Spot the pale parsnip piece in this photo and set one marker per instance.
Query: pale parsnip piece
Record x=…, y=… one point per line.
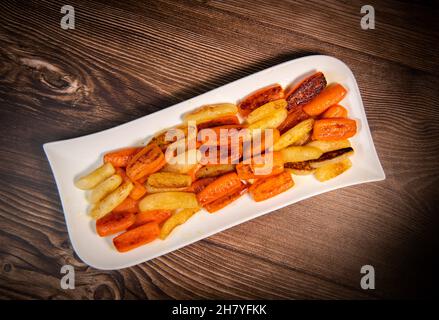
x=168, y=201
x=332, y=170
x=184, y=162
x=303, y=140
x=169, y=180
x=105, y=187
x=293, y=135
x=266, y=110
x=97, y=176
x=300, y=153
x=270, y=122
x=111, y=201
x=210, y=112
x=300, y=172
x=214, y=170
x=332, y=157
x=175, y=220
x=151, y=189
x=327, y=146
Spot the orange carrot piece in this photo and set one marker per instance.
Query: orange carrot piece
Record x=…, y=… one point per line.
x=200, y=184
x=259, y=98
x=334, y=129
x=120, y=158
x=144, y=217
x=228, y=131
x=294, y=117
x=332, y=94
x=218, y=188
x=226, y=200
x=305, y=91
x=269, y=187
x=149, y=160
x=134, y=238
x=247, y=171
x=335, y=111
x=221, y=121
x=138, y=191
x=128, y=205
x=114, y=222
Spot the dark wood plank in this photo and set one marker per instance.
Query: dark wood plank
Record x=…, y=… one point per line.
x=127, y=59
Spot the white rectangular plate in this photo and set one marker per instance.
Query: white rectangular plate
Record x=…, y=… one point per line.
x=71, y=158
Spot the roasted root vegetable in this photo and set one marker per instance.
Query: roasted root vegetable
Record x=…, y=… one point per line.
x=175, y=220
x=272, y=121
x=268, y=164
x=111, y=201
x=169, y=180
x=114, y=222
x=223, y=185
x=136, y=237
x=259, y=98
x=332, y=94
x=221, y=121
x=305, y=91
x=168, y=201
x=211, y=112
x=128, y=205
x=294, y=117
x=183, y=163
x=332, y=170
x=300, y=153
x=294, y=135
x=327, y=146
x=104, y=188
x=120, y=158
x=200, y=184
x=334, y=129
x=335, y=111
x=266, y=188
x=158, y=216
x=94, y=178
x=302, y=168
x=149, y=160
x=138, y=191
x=214, y=170
x=332, y=157
x=266, y=110
x=226, y=199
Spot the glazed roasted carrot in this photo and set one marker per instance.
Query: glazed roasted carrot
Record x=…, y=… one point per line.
x=218, y=188
x=294, y=117
x=114, y=222
x=247, y=171
x=266, y=188
x=200, y=184
x=138, y=191
x=120, y=158
x=220, y=133
x=158, y=216
x=226, y=200
x=259, y=98
x=332, y=94
x=222, y=121
x=260, y=146
x=136, y=237
x=128, y=205
x=305, y=91
x=334, y=129
x=335, y=111
x=149, y=160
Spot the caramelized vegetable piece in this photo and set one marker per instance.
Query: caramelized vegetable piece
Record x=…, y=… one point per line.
x=200, y=184
x=214, y=170
x=259, y=98
x=327, y=146
x=169, y=180
x=333, y=94
x=305, y=91
x=94, y=178
x=266, y=110
x=175, y=220
x=295, y=134
x=210, y=112
x=104, y=188
x=128, y=205
x=266, y=188
x=247, y=171
x=169, y=136
x=294, y=117
x=111, y=201
x=226, y=200
x=114, y=222
x=158, y=216
x=300, y=153
x=221, y=133
x=221, y=121
x=272, y=121
x=168, y=201
x=120, y=158
x=334, y=129
x=136, y=237
x=332, y=170
x=335, y=111
x=149, y=160
x=218, y=188
x=138, y=191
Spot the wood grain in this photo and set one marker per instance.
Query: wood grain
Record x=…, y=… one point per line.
x=127, y=59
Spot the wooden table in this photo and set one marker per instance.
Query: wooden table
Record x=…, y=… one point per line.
x=126, y=59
